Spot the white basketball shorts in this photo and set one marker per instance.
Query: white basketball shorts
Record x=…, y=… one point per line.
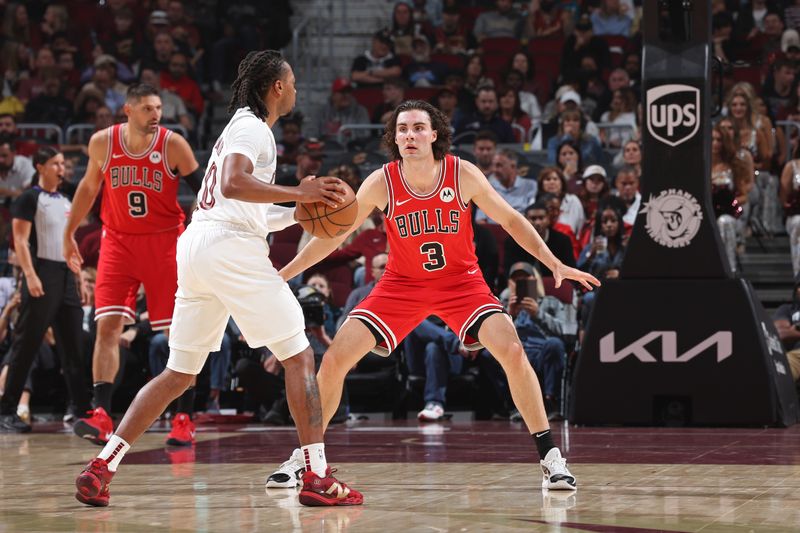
x=224, y=271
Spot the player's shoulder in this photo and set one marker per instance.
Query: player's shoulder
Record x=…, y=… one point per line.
x=99, y=143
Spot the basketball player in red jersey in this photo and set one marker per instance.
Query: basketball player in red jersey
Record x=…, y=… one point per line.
x=426, y=194
x=139, y=164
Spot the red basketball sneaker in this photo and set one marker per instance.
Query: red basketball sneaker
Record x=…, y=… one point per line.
x=98, y=427
x=182, y=433
x=322, y=491
x=93, y=482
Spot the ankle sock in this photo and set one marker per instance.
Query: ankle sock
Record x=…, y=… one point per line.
x=544, y=442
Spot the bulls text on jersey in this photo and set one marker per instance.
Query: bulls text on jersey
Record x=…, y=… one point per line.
x=128, y=176
x=424, y=222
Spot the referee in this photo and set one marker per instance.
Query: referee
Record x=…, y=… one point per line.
x=50, y=291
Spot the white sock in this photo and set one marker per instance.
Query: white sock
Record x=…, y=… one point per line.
x=314, y=456
x=114, y=451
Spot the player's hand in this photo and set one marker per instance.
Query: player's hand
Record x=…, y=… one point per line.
x=322, y=189
x=562, y=272
x=35, y=286
x=71, y=254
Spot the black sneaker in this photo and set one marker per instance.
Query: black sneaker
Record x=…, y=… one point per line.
x=13, y=424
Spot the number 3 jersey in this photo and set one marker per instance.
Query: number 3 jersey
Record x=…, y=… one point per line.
x=140, y=192
x=430, y=235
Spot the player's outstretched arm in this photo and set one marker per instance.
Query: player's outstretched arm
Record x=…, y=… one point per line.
x=183, y=162
x=475, y=187
x=371, y=195
x=84, y=197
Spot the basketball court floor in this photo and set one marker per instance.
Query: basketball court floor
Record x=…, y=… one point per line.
x=455, y=476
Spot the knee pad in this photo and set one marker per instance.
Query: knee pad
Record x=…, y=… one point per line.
x=185, y=361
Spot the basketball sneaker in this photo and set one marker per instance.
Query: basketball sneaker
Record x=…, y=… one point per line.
x=182, y=433
x=289, y=475
x=97, y=428
x=93, y=482
x=555, y=474
x=13, y=424
x=324, y=491
x=433, y=412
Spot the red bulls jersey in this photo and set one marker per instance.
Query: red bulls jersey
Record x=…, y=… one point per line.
x=430, y=236
x=140, y=191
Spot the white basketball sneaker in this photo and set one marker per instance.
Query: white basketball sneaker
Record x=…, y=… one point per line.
x=556, y=475
x=289, y=475
x=433, y=412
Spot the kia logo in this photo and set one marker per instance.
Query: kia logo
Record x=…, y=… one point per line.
x=673, y=113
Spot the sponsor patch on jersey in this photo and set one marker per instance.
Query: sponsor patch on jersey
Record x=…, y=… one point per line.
x=447, y=194
x=155, y=157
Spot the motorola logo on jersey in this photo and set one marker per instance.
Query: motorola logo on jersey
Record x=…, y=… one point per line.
x=425, y=222
x=447, y=194
x=673, y=113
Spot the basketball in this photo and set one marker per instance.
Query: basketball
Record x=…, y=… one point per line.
x=326, y=222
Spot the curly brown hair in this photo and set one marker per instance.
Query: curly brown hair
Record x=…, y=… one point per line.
x=439, y=123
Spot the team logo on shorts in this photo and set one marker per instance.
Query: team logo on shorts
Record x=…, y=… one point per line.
x=447, y=194
x=155, y=157
x=673, y=218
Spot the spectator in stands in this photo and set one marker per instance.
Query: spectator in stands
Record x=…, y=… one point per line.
x=486, y=117
x=162, y=50
x=787, y=322
x=435, y=352
x=610, y=20
x=603, y=256
x=570, y=161
x=505, y=21
x=511, y=112
x=631, y=154
x=404, y=29
x=779, y=86
x=378, y=267
x=484, y=148
x=105, y=80
x=173, y=110
x=583, y=43
x=749, y=123
x=176, y=79
x=721, y=36
x=553, y=204
x=558, y=243
x=627, y=185
x=394, y=90
x=519, y=192
x=791, y=12
x=475, y=78
x=446, y=101
x=291, y=137
x=309, y=162
x=750, y=19
x=50, y=106
x=622, y=113
x=771, y=35
x=453, y=36
x=376, y=64
x=17, y=25
x=34, y=85
x=790, y=200
x=86, y=105
x=367, y=244
x=545, y=18
x=571, y=128
x=123, y=39
x=184, y=30
x=528, y=102
x=421, y=71
x=729, y=189
x=539, y=326
x=16, y=171
x=594, y=191
x=65, y=62
x=552, y=180
x=566, y=99
x=341, y=109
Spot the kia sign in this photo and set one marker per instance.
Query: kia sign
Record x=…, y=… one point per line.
x=721, y=340
x=673, y=113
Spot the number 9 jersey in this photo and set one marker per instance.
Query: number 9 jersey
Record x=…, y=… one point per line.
x=430, y=236
x=140, y=192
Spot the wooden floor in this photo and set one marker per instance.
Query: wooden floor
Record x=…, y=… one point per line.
x=457, y=476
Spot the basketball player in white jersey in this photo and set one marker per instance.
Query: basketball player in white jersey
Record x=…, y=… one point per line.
x=224, y=270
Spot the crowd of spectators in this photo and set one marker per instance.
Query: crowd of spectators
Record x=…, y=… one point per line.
x=543, y=96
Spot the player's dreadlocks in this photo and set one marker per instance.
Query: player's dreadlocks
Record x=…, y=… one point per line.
x=257, y=72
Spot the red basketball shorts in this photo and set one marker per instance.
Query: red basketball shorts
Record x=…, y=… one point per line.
x=396, y=306
x=130, y=260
